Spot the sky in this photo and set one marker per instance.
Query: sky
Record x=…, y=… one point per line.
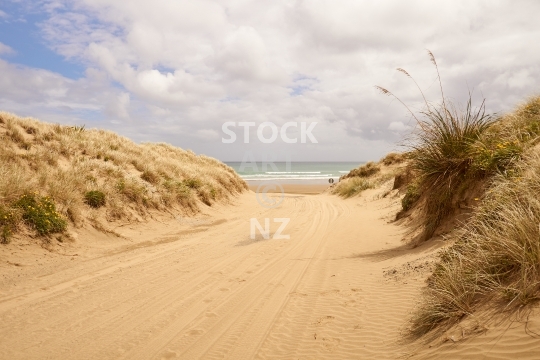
x=176, y=71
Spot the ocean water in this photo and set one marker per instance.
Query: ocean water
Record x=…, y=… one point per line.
x=293, y=172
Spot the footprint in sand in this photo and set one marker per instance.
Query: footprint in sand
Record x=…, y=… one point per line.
x=223, y=289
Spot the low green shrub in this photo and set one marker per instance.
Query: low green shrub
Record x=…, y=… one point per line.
x=40, y=213
x=94, y=198
x=498, y=156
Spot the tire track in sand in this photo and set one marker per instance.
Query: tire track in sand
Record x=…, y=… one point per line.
x=216, y=294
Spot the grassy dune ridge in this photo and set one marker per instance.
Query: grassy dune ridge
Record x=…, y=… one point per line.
x=477, y=176
x=70, y=175
x=489, y=166
x=369, y=175
x=496, y=258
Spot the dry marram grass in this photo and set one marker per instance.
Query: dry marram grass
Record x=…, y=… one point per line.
x=368, y=176
x=67, y=163
x=496, y=257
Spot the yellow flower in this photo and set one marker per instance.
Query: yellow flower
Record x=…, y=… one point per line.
x=476, y=199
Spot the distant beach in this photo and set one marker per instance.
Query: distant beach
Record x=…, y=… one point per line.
x=294, y=177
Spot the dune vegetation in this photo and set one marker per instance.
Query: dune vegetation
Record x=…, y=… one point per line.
x=463, y=158
x=55, y=176
x=369, y=175
x=497, y=253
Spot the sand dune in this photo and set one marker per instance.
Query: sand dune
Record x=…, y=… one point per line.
x=341, y=287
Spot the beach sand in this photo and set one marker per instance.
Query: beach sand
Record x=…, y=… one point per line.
x=341, y=287
x=310, y=189
x=299, y=186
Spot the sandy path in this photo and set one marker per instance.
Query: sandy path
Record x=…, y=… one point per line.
x=218, y=294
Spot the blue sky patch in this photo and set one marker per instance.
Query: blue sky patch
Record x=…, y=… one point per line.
x=21, y=32
x=301, y=84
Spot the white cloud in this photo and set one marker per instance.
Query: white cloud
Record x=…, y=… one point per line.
x=52, y=97
x=398, y=126
x=118, y=107
x=6, y=50
x=208, y=135
x=176, y=70
x=521, y=79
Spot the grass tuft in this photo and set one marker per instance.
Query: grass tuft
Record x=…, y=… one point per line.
x=443, y=154
x=352, y=186
x=449, y=154
x=193, y=183
x=150, y=176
